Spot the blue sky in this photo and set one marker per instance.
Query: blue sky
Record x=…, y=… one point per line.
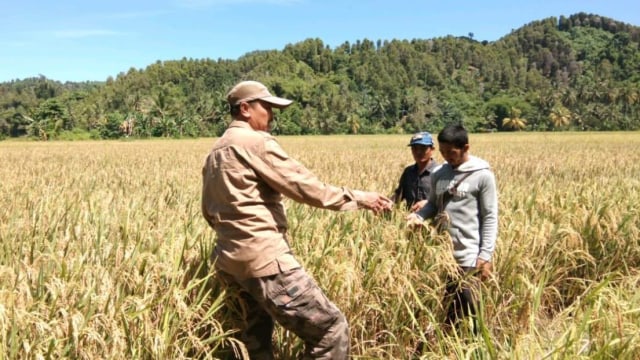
x=78, y=40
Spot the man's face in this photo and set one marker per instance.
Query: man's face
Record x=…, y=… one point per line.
x=261, y=115
x=421, y=153
x=453, y=155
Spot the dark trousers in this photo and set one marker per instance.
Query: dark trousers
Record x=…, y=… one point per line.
x=460, y=300
x=460, y=296
x=296, y=302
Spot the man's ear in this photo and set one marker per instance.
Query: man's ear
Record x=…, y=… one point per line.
x=466, y=147
x=244, y=109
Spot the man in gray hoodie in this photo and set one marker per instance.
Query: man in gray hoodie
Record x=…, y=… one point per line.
x=465, y=203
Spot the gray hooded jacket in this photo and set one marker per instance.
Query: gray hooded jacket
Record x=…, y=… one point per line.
x=472, y=209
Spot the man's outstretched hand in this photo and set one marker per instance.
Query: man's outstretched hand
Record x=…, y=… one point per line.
x=377, y=203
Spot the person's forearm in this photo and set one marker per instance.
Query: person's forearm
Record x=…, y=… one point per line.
x=489, y=219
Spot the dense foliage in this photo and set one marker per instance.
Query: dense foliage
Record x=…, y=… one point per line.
x=580, y=72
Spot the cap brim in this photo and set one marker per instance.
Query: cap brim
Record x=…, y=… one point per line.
x=420, y=144
x=277, y=102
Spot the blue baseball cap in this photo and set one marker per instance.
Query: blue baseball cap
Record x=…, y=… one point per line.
x=421, y=138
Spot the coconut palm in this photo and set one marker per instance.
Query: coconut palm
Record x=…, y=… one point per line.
x=560, y=116
x=36, y=127
x=514, y=121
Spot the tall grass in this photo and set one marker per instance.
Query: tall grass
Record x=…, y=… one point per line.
x=105, y=254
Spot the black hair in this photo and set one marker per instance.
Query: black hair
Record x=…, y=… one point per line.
x=234, y=110
x=455, y=135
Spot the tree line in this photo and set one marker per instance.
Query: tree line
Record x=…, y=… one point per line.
x=580, y=72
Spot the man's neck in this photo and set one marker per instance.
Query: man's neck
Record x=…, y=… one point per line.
x=422, y=166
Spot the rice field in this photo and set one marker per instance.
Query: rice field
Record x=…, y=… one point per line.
x=105, y=255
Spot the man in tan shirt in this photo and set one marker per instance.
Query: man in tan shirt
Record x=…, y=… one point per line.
x=244, y=178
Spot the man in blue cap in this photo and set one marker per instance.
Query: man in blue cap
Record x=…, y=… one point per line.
x=415, y=181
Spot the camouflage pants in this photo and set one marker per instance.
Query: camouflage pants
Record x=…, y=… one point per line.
x=296, y=302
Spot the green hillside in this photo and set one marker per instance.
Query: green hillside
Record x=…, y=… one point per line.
x=580, y=72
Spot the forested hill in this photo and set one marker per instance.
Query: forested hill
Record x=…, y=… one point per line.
x=580, y=72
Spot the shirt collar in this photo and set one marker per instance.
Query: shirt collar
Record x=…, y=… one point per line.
x=430, y=166
x=240, y=124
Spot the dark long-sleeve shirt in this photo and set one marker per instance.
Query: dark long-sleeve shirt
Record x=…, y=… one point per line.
x=414, y=186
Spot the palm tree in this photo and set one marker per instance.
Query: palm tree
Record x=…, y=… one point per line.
x=182, y=123
x=514, y=121
x=560, y=116
x=163, y=110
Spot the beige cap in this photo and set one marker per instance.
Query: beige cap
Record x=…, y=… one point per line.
x=253, y=90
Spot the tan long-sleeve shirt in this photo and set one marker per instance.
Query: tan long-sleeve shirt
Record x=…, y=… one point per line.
x=244, y=178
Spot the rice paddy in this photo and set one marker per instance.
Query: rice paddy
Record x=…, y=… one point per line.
x=105, y=254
